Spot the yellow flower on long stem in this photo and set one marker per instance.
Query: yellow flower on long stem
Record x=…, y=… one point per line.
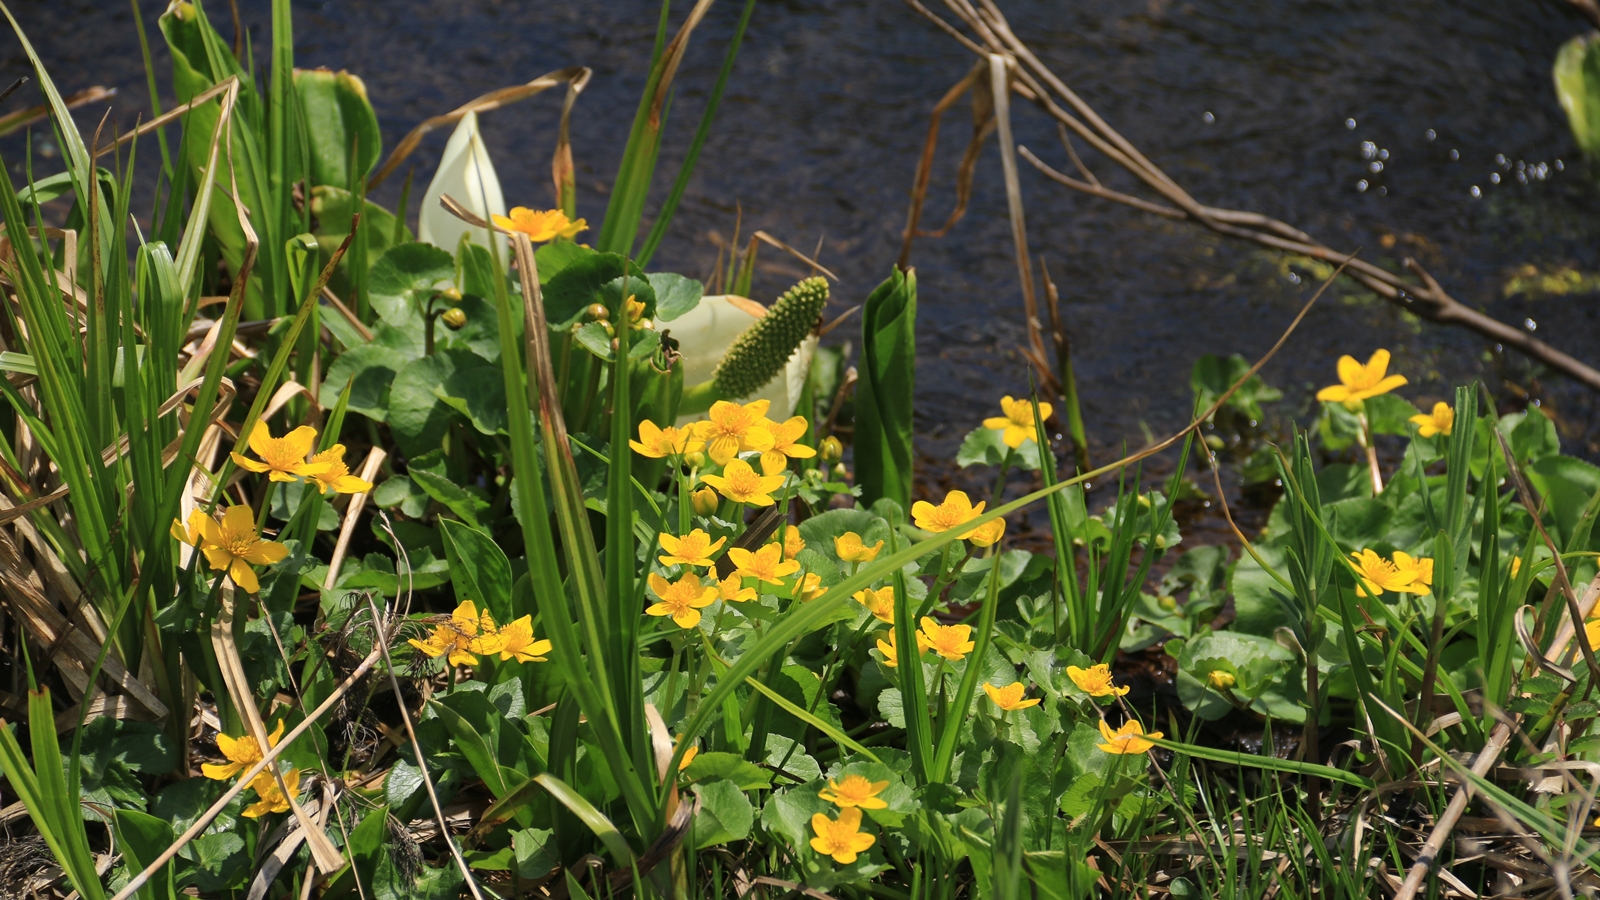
x=337, y=477
x=842, y=838
x=1440, y=421
x=540, y=225
x=785, y=436
x=853, y=791
x=232, y=546
x=731, y=590
x=1359, y=382
x=1019, y=422
x=732, y=429
x=766, y=564
x=281, y=458
x=988, y=534
x=1405, y=575
x=740, y=483
x=891, y=653
x=1095, y=681
x=241, y=752
x=467, y=633
x=955, y=511
x=1009, y=698
x=516, y=641
x=793, y=543
x=879, y=602
x=693, y=549
x=949, y=641
x=1130, y=738
x=682, y=599
x=657, y=442
x=811, y=587
x=851, y=548
x=273, y=799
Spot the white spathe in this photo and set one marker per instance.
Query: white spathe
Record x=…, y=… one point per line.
x=704, y=335
x=466, y=174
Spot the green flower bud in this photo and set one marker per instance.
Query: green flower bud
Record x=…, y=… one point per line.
x=831, y=450
x=454, y=317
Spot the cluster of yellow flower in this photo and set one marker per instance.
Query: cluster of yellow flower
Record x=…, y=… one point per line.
x=468, y=634
x=242, y=754
x=1096, y=682
x=731, y=429
x=950, y=642
x=842, y=838
x=1404, y=575
x=1358, y=382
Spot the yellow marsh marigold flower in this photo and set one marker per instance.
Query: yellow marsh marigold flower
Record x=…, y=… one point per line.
x=688, y=757
x=891, y=653
x=1130, y=738
x=693, y=549
x=704, y=500
x=657, y=443
x=1440, y=421
x=1591, y=630
x=682, y=599
x=956, y=510
x=1095, y=681
x=281, y=458
x=1019, y=422
x=949, y=641
x=635, y=309
x=987, y=534
x=1405, y=575
x=1358, y=382
x=733, y=429
x=740, y=483
x=467, y=633
x=337, y=477
x=766, y=564
x=273, y=799
x=811, y=587
x=841, y=839
x=1221, y=679
x=851, y=548
x=793, y=543
x=854, y=791
x=879, y=602
x=784, y=445
x=241, y=752
x=1516, y=565
x=1009, y=698
x=540, y=225
x=232, y=546
x=516, y=641
x=730, y=590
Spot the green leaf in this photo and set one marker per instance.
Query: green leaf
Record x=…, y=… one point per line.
x=884, y=395
x=725, y=814
x=479, y=393
x=369, y=370
x=593, y=278
x=1213, y=375
x=454, y=498
x=404, y=278
x=675, y=294
x=1577, y=77
x=416, y=415
x=473, y=745
x=1390, y=414
x=730, y=767
x=339, y=120
x=142, y=838
x=534, y=851
x=479, y=569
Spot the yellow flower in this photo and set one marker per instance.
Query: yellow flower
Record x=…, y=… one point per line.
x=891, y=654
x=841, y=839
x=1591, y=630
x=733, y=429
x=191, y=534
x=704, y=501
x=468, y=632
x=1130, y=738
x=540, y=225
x=241, y=752
x=1358, y=382
x=1440, y=421
x=1221, y=679
x=730, y=589
x=515, y=641
x=682, y=599
x=1404, y=575
x=955, y=510
x=987, y=534
x=693, y=549
x=1009, y=697
x=879, y=602
x=635, y=308
x=1095, y=681
x=793, y=543
x=281, y=458
x=766, y=564
x=656, y=442
x=949, y=641
x=337, y=477
x=273, y=799
x=776, y=458
x=1516, y=565
x=688, y=757
x=1019, y=422
x=851, y=548
x=811, y=587
x=233, y=546
x=854, y=791
x=740, y=483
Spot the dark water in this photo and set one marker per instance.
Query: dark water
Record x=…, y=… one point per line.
x=827, y=108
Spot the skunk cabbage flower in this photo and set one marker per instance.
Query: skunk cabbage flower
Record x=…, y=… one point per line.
x=704, y=335
x=466, y=174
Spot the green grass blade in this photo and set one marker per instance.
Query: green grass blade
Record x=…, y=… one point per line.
x=819, y=724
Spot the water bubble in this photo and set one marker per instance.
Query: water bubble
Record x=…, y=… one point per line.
x=1361, y=185
x=1521, y=165
x=1500, y=159
x=1208, y=118
x=1350, y=124
x=1530, y=324
x=1541, y=171
x=1494, y=177
x=1522, y=177
x=1375, y=167
x=1455, y=154
x=1369, y=150
x=1475, y=192
x=1383, y=191
x=1560, y=166
x=1383, y=154
x=1293, y=278
x=1430, y=134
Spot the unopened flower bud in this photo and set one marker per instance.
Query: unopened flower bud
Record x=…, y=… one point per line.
x=840, y=472
x=694, y=459
x=1221, y=680
x=455, y=317
x=598, y=312
x=831, y=450
x=451, y=294
x=705, y=501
